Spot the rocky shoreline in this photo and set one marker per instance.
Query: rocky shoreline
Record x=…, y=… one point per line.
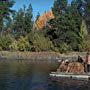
x=53, y=56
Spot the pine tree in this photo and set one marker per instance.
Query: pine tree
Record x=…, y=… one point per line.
x=37, y=17
x=63, y=4
x=5, y=11
x=87, y=16
x=28, y=19
x=66, y=28
x=56, y=8
x=59, y=7
x=23, y=21
x=19, y=23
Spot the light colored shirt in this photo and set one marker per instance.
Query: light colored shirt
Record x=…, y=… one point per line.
x=88, y=60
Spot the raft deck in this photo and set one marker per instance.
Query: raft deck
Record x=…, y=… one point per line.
x=70, y=75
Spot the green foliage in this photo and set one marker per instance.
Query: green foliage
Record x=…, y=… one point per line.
x=59, y=7
x=84, y=31
x=63, y=4
x=19, y=23
x=67, y=30
x=1, y=48
x=87, y=14
x=86, y=44
x=23, y=21
x=5, y=41
x=23, y=44
x=28, y=19
x=5, y=11
x=14, y=46
x=39, y=42
x=56, y=8
x=37, y=17
x=64, y=48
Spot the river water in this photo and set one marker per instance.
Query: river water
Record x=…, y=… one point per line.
x=26, y=75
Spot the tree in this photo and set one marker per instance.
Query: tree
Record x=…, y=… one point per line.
x=19, y=23
x=59, y=7
x=83, y=7
x=87, y=14
x=56, y=8
x=5, y=11
x=37, y=17
x=28, y=19
x=23, y=21
x=67, y=29
x=63, y=5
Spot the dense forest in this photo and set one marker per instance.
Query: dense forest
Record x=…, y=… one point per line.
x=65, y=28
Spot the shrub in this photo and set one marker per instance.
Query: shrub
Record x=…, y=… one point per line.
x=86, y=45
x=39, y=42
x=1, y=49
x=23, y=44
x=63, y=48
x=14, y=46
x=5, y=41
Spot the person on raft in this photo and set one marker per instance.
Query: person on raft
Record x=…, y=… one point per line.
x=85, y=61
x=88, y=62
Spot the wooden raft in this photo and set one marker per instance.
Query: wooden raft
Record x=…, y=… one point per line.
x=70, y=75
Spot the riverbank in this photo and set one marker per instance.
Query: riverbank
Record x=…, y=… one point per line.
x=39, y=55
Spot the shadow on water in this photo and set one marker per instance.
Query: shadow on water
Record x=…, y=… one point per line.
x=16, y=75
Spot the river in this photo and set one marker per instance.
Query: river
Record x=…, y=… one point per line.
x=26, y=75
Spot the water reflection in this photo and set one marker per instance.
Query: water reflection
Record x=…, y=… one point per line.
x=16, y=75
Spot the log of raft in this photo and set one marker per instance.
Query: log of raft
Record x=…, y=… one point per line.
x=70, y=75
